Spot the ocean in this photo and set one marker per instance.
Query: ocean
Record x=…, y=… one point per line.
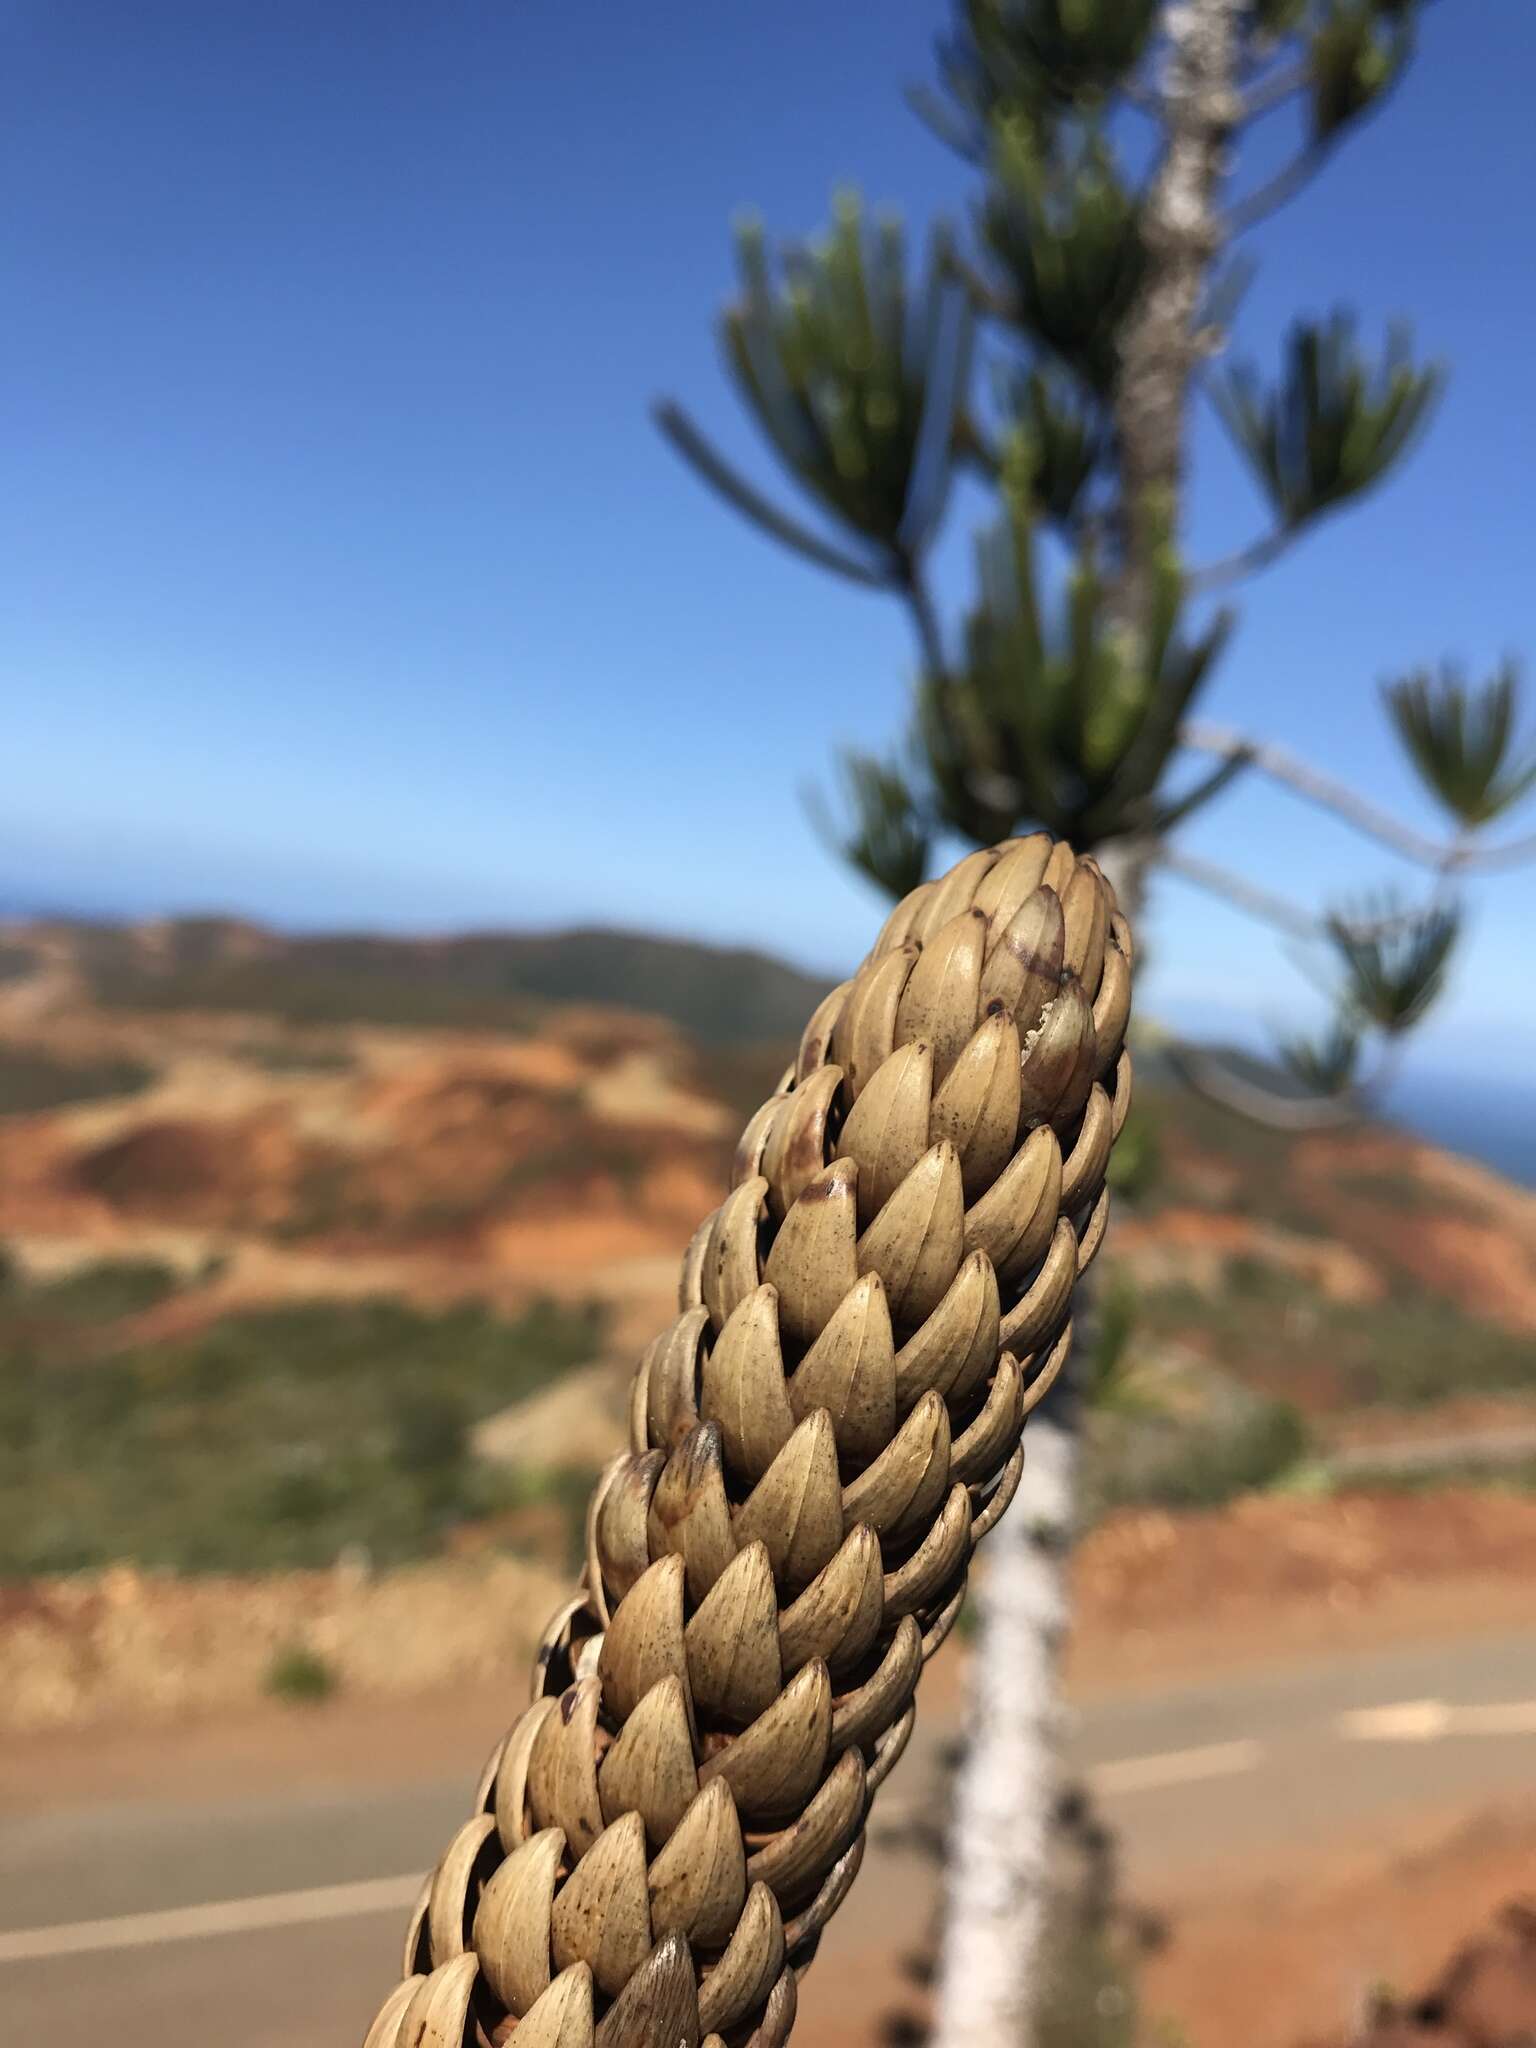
x=1494, y=1122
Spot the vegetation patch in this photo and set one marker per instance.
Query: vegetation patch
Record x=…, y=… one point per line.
x=52, y=1311
x=32, y=1080
x=1406, y=1351
x=1200, y=1464
x=272, y=1440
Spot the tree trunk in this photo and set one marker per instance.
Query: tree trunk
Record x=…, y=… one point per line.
x=999, y=1858
x=1161, y=342
x=998, y=1867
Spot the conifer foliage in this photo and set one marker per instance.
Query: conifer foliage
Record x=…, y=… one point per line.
x=1055, y=345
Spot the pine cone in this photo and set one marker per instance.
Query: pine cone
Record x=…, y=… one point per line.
x=818, y=1442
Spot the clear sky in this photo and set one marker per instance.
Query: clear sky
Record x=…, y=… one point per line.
x=346, y=579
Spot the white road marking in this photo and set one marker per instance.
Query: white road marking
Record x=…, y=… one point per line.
x=1401, y=1721
x=226, y=1916
x=1510, y=1717
x=1176, y=1767
x=1433, y=1720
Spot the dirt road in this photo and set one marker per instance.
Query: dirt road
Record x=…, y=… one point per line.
x=266, y=1912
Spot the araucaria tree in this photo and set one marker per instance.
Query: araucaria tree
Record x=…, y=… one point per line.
x=1056, y=348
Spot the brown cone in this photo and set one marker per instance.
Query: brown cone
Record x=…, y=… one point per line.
x=817, y=1444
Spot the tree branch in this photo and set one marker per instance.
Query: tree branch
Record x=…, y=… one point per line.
x=936, y=114
x=1217, y=1083
x=1305, y=165
x=747, y=499
x=1211, y=1078
x=1248, y=561
x=1267, y=198
x=925, y=618
x=972, y=445
x=1282, y=766
x=1274, y=91
x=1177, y=809
x=1279, y=911
x=1144, y=97
x=994, y=301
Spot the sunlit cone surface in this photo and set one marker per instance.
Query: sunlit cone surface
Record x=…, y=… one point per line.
x=817, y=1444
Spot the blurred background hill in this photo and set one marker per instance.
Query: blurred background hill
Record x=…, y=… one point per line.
x=479, y=979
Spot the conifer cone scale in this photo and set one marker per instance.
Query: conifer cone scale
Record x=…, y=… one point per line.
x=817, y=1443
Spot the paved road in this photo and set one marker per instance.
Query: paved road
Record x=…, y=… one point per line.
x=276, y=1920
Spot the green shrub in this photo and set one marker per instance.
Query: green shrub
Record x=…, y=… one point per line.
x=567, y=1488
x=1258, y=1279
x=300, y=1675
x=1135, y=1165
x=1111, y=1358
x=103, y=1292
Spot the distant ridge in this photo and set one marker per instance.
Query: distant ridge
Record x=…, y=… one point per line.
x=720, y=995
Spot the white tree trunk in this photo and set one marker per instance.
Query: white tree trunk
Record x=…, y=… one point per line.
x=999, y=1861
x=998, y=1866
x=1182, y=233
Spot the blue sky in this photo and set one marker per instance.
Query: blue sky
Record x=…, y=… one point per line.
x=348, y=581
